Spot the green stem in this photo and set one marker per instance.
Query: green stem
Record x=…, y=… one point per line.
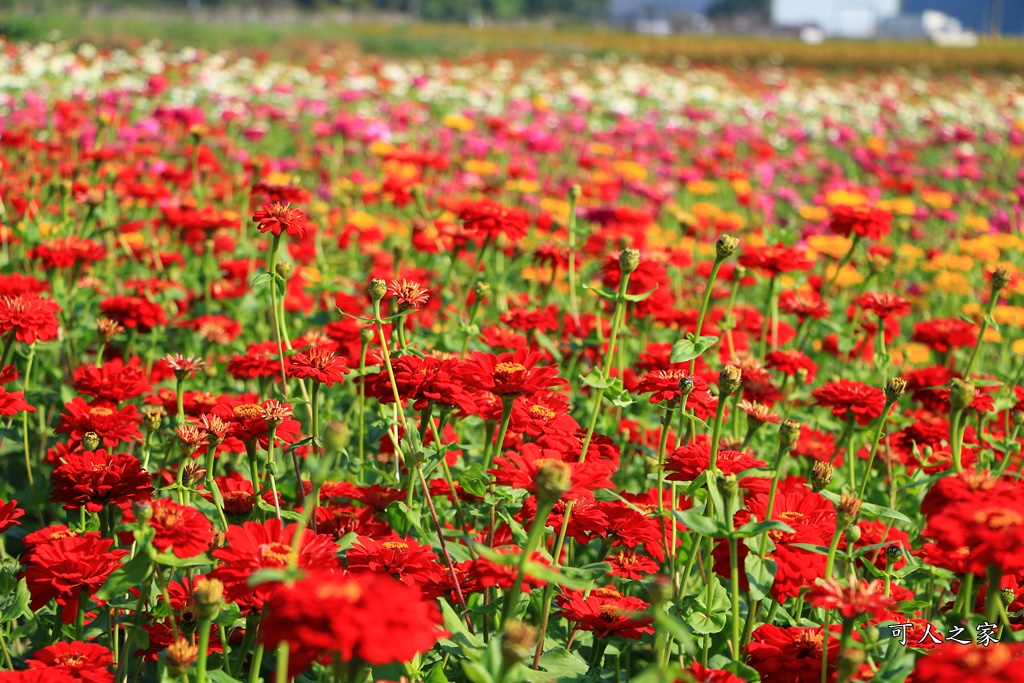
x=205, y=623
x=874, y=448
x=536, y=531
x=981, y=334
x=704, y=306
x=282, y=663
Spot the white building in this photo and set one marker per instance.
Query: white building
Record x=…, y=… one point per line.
x=837, y=18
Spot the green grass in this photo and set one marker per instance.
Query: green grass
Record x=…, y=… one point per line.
x=308, y=36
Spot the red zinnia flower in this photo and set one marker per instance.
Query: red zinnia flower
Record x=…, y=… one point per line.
x=791, y=655
x=275, y=217
x=29, y=317
x=791, y=362
x=112, y=424
x=254, y=546
x=115, y=381
x=512, y=374
x=606, y=613
x=773, y=260
x=860, y=597
x=492, y=219
x=851, y=399
x=94, y=479
x=9, y=514
x=405, y=560
x=134, y=312
x=698, y=673
x=62, y=569
x=955, y=663
x=182, y=528
x=318, y=363
x=885, y=304
x=861, y=220
x=88, y=662
x=371, y=618
x=943, y=334
x=12, y=402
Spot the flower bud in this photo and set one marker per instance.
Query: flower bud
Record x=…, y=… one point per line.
x=1008, y=595
x=629, y=260
x=335, y=436
x=517, y=642
x=367, y=334
x=685, y=387
x=893, y=554
x=482, y=290
x=853, y=533
x=575, y=192
x=192, y=473
x=285, y=269
x=181, y=655
x=553, y=479
x=1000, y=279
x=108, y=329
x=377, y=289
x=849, y=508
x=895, y=388
x=789, y=434
x=725, y=246
x=152, y=417
x=730, y=483
x=729, y=380
x=961, y=394
x=142, y=510
x=209, y=597
x=821, y=475
x=90, y=441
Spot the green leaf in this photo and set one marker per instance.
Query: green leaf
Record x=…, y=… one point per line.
x=687, y=349
x=221, y=676
x=436, y=675
x=696, y=521
x=639, y=297
x=597, y=380
x=172, y=560
x=703, y=620
x=262, y=576
x=760, y=575
x=758, y=528
x=560, y=664
x=131, y=574
x=603, y=293
x=872, y=509
x=13, y=605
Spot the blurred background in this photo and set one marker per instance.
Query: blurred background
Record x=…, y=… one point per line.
x=942, y=34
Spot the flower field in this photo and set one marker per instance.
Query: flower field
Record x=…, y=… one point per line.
x=507, y=370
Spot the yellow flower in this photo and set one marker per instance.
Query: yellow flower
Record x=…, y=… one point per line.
x=816, y=214
x=481, y=167
x=700, y=187
x=937, y=199
x=361, y=219
x=835, y=246
x=558, y=208
x=914, y=353
x=400, y=169
x=540, y=103
x=902, y=206
x=629, y=170
x=380, y=148
x=601, y=149
x=975, y=222
x=981, y=248
x=910, y=252
x=875, y=144
x=1018, y=347
x=46, y=229
x=706, y=210
x=947, y=261
x=458, y=122
x=1012, y=316
x=952, y=283
x=523, y=185
x=1005, y=241
x=741, y=186
x=992, y=335
x=845, y=198
x=281, y=178
x=848, y=276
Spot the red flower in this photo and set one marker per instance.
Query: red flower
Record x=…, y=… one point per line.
x=88, y=662
x=861, y=220
x=29, y=317
x=183, y=529
x=12, y=402
x=791, y=362
x=371, y=618
x=512, y=374
x=885, y=304
x=249, y=421
x=405, y=560
x=519, y=470
x=115, y=381
x=943, y=334
x=631, y=565
x=989, y=525
x=318, y=363
x=425, y=380
x=134, y=312
x=791, y=655
x=113, y=425
x=687, y=463
x=858, y=598
x=94, y=479
x=851, y=399
x=606, y=613
x=62, y=569
x=492, y=219
x=9, y=514
x=254, y=546
x=275, y=217
x=773, y=260
x=955, y=663
x=698, y=673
